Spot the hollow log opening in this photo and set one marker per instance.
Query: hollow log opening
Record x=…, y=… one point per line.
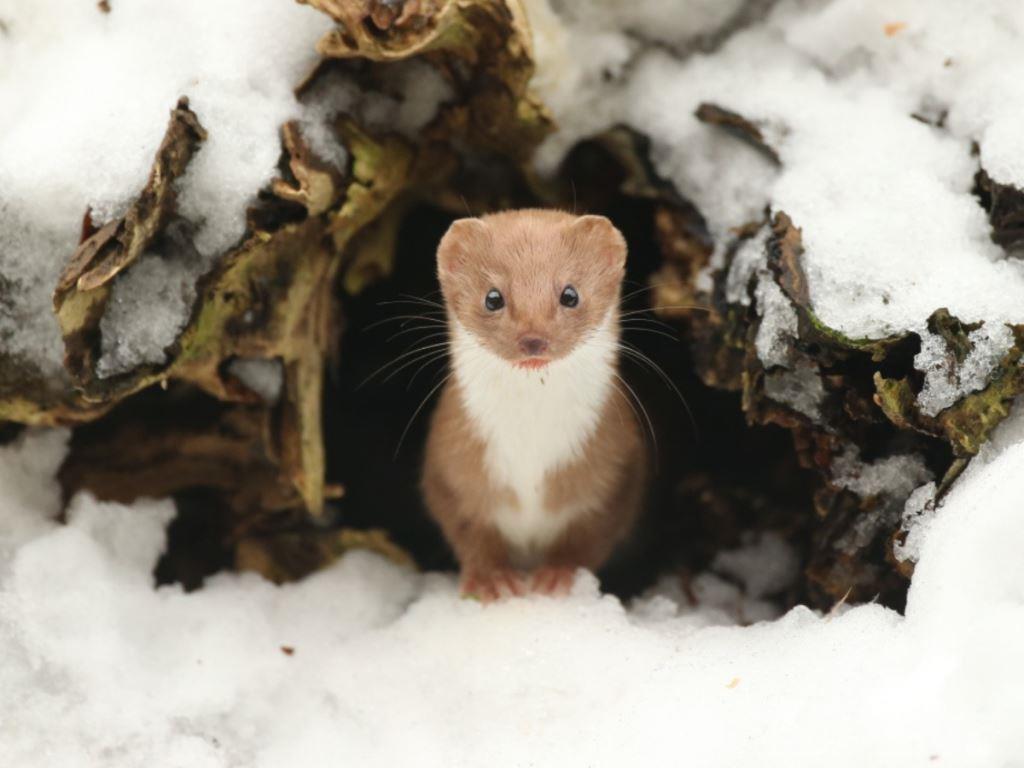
x=809, y=458
x=719, y=481
x=282, y=397
x=738, y=465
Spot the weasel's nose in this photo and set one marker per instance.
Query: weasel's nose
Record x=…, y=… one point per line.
x=533, y=345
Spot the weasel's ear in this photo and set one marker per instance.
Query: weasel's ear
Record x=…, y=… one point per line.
x=463, y=238
x=599, y=237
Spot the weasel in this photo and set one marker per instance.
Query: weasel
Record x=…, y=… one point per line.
x=535, y=464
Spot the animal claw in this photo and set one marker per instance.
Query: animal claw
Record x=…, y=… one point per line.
x=553, y=580
x=493, y=585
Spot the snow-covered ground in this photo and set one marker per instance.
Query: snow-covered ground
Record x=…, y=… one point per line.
x=880, y=113
x=84, y=102
x=370, y=664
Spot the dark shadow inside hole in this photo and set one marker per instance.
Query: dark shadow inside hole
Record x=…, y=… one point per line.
x=369, y=405
x=713, y=479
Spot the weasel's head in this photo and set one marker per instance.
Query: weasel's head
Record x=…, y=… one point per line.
x=531, y=285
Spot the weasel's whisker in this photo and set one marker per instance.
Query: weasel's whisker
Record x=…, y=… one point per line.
x=406, y=298
x=629, y=402
x=432, y=330
x=632, y=352
x=427, y=318
x=427, y=356
x=649, y=321
x=414, y=301
x=644, y=289
x=647, y=417
x=417, y=351
x=417, y=412
x=439, y=373
x=424, y=366
x=667, y=306
x=428, y=327
x=647, y=289
x=426, y=299
x=655, y=331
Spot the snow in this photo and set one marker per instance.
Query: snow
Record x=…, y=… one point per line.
x=778, y=327
x=766, y=564
x=890, y=482
x=945, y=381
x=264, y=377
x=409, y=96
x=87, y=96
x=748, y=257
x=147, y=309
x=897, y=475
x=918, y=514
x=891, y=229
x=800, y=388
x=369, y=663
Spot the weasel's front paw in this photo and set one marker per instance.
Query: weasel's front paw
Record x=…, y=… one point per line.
x=488, y=586
x=553, y=580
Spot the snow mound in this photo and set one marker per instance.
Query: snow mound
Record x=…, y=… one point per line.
x=86, y=100
x=873, y=110
x=264, y=377
x=371, y=664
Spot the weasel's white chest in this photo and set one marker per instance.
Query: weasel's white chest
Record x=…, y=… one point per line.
x=533, y=422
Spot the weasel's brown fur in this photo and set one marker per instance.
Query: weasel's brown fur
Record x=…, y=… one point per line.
x=485, y=477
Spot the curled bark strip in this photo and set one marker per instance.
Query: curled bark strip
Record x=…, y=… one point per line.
x=785, y=248
x=83, y=289
x=485, y=47
x=739, y=126
x=119, y=243
x=317, y=186
x=1005, y=206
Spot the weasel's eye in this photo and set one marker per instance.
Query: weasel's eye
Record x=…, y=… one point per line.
x=570, y=298
x=494, y=300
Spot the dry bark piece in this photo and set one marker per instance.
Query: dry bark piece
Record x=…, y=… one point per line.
x=409, y=25
x=163, y=443
x=850, y=535
x=953, y=332
x=749, y=131
x=785, y=252
x=273, y=295
x=1005, y=206
x=484, y=45
x=318, y=184
x=121, y=242
x=272, y=298
x=83, y=289
x=291, y=556
x=31, y=396
x=968, y=423
x=366, y=223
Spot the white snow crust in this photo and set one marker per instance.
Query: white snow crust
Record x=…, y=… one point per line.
x=371, y=664
x=389, y=667
x=264, y=377
x=891, y=228
x=86, y=97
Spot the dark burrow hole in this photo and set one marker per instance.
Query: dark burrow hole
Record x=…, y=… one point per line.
x=717, y=477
